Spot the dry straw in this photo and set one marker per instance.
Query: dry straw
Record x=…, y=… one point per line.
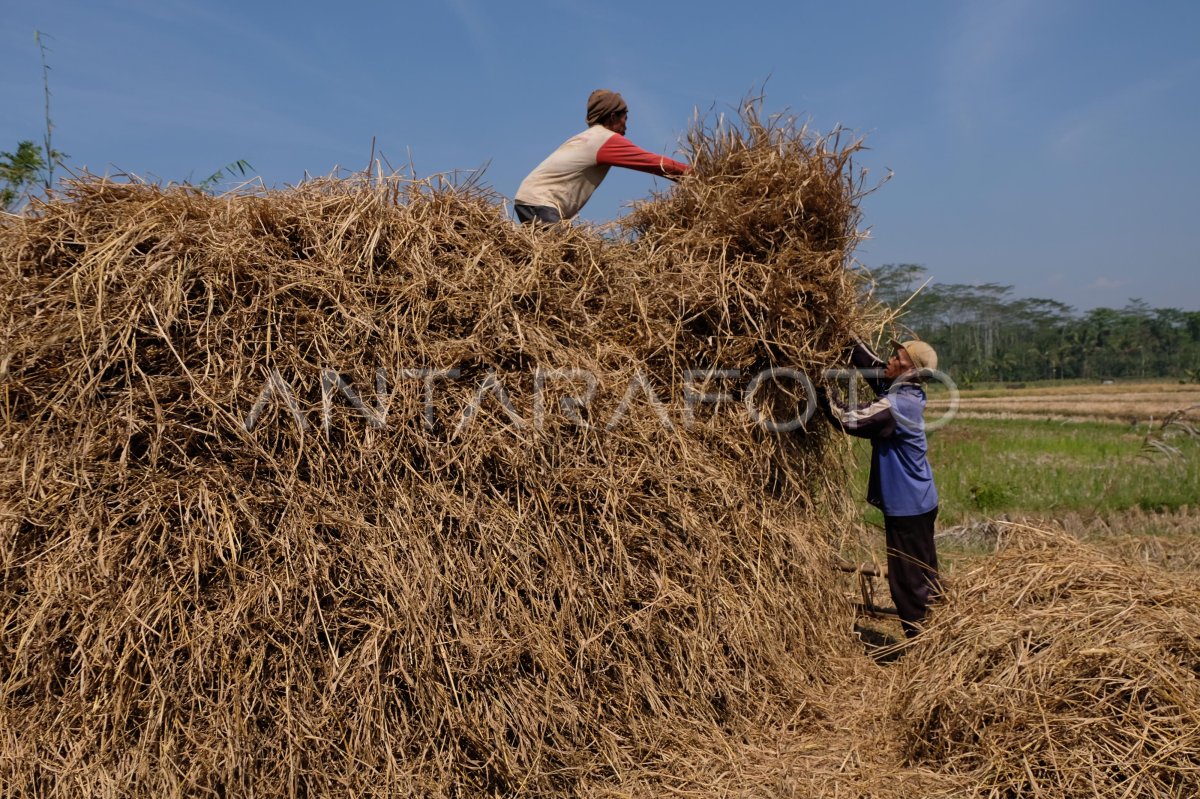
x=402, y=597
x=1056, y=671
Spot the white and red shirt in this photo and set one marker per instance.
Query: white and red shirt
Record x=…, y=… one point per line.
x=567, y=178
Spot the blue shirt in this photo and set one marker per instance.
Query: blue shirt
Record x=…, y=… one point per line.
x=901, y=481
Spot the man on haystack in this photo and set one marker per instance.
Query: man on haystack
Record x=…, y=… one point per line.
x=560, y=186
x=901, y=481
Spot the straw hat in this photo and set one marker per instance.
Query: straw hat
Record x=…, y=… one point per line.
x=921, y=354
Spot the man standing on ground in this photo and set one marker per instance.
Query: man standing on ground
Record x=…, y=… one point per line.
x=901, y=482
x=560, y=186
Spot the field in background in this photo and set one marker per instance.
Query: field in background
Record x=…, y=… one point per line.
x=1050, y=450
x=1130, y=403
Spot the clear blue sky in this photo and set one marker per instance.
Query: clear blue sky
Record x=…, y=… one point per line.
x=1050, y=145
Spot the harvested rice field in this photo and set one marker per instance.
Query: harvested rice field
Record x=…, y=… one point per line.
x=1125, y=402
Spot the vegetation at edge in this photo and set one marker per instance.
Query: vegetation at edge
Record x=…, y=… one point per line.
x=982, y=332
x=985, y=468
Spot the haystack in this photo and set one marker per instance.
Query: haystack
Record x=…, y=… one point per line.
x=1053, y=669
x=1057, y=671
x=358, y=488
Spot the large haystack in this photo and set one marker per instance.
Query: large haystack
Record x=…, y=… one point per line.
x=255, y=541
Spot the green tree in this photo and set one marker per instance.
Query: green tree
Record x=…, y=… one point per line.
x=981, y=331
x=19, y=172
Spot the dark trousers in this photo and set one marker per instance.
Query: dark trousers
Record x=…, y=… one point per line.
x=912, y=567
x=536, y=213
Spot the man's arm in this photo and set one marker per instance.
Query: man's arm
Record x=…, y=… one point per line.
x=869, y=420
x=620, y=151
x=862, y=357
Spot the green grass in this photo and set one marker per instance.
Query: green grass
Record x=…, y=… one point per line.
x=984, y=468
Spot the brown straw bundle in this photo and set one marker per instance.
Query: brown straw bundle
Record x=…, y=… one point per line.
x=1055, y=671
x=304, y=492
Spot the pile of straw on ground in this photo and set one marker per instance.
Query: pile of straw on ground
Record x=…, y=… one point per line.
x=257, y=539
x=1055, y=671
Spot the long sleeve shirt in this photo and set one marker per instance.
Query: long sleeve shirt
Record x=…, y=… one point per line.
x=566, y=179
x=901, y=481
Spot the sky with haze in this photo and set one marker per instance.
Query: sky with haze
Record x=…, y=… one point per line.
x=1046, y=144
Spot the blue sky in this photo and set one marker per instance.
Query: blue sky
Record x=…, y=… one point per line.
x=1050, y=145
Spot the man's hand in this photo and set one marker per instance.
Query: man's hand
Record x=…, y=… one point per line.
x=860, y=344
x=861, y=355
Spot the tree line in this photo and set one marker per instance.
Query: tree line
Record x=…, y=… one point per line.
x=983, y=332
